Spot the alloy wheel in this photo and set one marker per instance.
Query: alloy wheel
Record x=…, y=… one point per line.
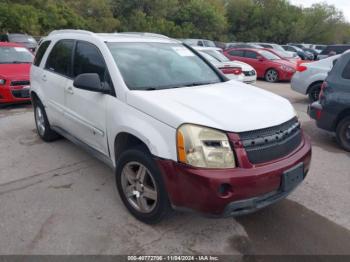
x=40, y=120
x=139, y=187
x=271, y=75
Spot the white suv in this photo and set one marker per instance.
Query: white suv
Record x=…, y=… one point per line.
x=177, y=132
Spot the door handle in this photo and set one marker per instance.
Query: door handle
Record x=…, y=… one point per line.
x=44, y=78
x=70, y=90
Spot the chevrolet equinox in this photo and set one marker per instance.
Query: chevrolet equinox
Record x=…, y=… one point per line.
x=177, y=132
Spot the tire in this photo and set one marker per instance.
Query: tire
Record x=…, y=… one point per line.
x=271, y=76
x=343, y=133
x=314, y=92
x=136, y=174
x=42, y=123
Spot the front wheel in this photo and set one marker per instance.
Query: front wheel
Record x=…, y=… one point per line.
x=141, y=187
x=271, y=76
x=343, y=133
x=42, y=123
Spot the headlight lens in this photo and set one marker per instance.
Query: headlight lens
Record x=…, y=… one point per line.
x=2, y=81
x=287, y=68
x=204, y=147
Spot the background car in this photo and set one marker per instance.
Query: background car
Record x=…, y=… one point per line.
x=312, y=51
x=15, y=62
x=284, y=55
x=267, y=65
x=332, y=111
x=199, y=42
x=309, y=77
x=333, y=50
x=277, y=47
x=22, y=39
x=318, y=48
x=241, y=45
x=232, y=69
x=301, y=53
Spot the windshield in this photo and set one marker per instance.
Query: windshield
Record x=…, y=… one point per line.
x=279, y=48
x=21, y=39
x=15, y=55
x=209, y=57
x=154, y=66
x=217, y=55
x=268, y=55
x=209, y=43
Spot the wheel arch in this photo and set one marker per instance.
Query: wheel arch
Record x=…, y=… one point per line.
x=342, y=115
x=270, y=69
x=313, y=84
x=124, y=141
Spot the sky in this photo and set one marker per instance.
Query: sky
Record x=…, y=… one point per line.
x=343, y=5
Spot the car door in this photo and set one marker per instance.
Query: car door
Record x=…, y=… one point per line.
x=86, y=110
x=251, y=58
x=54, y=78
x=237, y=55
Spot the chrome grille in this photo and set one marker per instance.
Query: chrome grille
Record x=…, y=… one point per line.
x=271, y=143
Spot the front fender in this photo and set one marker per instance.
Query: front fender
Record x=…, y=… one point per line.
x=159, y=137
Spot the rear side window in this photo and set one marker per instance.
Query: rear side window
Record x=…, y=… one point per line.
x=236, y=53
x=88, y=59
x=60, y=58
x=40, y=53
x=346, y=71
x=250, y=54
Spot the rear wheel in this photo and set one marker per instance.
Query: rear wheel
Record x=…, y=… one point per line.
x=314, y=92
x=343, y=133
x=271, y=76
x=141, y=187
x=42, y=124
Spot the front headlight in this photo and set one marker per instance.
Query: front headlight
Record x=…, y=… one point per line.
x=287, y=68
x=204, y=147
x=2, y=81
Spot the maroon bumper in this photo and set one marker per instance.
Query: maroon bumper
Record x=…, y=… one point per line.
x=214, y=191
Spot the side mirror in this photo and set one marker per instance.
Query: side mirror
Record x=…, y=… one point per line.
x=90, y=82
x=260, y=58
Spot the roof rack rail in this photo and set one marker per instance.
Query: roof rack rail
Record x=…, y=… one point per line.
x=71, y=31
x=144, y=34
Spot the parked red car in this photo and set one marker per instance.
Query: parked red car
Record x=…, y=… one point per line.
x=267, y=65
x=15, y=62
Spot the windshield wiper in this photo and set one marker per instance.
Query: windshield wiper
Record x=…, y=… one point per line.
x=199, y=84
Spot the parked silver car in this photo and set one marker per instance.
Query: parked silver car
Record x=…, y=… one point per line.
x=310, y=76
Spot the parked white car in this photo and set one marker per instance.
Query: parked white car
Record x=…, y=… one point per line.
x=178, y=134
x=278, y=48
x=309, y=77
x=234, y=70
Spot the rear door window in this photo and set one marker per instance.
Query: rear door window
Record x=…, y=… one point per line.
x=60, y=58
x=40, y=53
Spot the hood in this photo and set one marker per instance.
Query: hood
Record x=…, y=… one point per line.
x=285, y=62
x=230, y=106
x=15, y=71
